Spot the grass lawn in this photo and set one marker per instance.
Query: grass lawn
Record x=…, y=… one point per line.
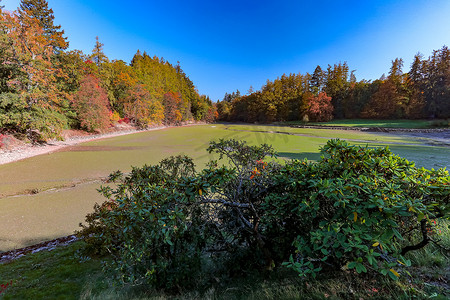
x=64, y=273
x=57, y=274
x=47, y=196
x=383, y=123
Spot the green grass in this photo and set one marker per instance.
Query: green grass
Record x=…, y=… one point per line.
x=57, y=274
x=382, y=123
x=65, y=274
x=66, y=181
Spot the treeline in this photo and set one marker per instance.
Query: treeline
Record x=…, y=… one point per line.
x=44, y=88
x=423, y=92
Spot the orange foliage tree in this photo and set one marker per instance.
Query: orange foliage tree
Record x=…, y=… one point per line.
x=35, y=77
x=212, y=115
x=31, y=52
x=384, y=103
x=91, y=105
x=172, y=108
x=142, y=108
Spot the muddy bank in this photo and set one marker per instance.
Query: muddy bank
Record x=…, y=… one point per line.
x=44, y=246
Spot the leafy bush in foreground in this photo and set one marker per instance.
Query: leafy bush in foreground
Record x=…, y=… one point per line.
x=360, y=208
x=356, y=208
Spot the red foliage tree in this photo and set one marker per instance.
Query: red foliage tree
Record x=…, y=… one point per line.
x=212, y=115
x=320, y=108
x=91, y=104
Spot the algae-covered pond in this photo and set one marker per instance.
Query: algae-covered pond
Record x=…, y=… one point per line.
x=47, y=196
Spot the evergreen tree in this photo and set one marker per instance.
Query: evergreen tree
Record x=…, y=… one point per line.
x=415, y=84
x=390, y=100
x=6, y=67
x=352, y=77
x=416, y=74
x=337, y=86
x=317, y=80
x=396, y=73
x=97, y=56
x=437, y=84
x=39, y=10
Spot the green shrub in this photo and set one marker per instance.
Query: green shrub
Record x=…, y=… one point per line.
x=144, y=225
x=357, y=208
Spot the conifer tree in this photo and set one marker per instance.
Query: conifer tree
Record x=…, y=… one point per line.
x=39, y=10
x=97, y=56
x=317, y=80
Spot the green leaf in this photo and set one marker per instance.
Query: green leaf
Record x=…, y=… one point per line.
x=352, y=265
x=397, y=234
x=420, y=217
x=360, y=268
x=392, y=275
x=388, y=234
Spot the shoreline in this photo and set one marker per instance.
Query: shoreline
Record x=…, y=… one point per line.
x=24, y=151
x=27, y=150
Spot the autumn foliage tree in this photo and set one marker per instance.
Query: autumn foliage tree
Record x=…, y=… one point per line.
x=39, y=11
x=42, y=84
x=34, y=78
x=211, y=115
x=123, y=81
x=172, y=108
x=142, y=108
x=320, y=108
x=91, y=105
x=422, y=92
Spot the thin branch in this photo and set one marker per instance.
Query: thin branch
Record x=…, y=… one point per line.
x=227, y=203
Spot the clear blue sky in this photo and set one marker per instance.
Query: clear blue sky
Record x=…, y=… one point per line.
x=227, y=45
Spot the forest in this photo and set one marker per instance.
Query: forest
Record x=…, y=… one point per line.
x=45, y=88
x=421, y=93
